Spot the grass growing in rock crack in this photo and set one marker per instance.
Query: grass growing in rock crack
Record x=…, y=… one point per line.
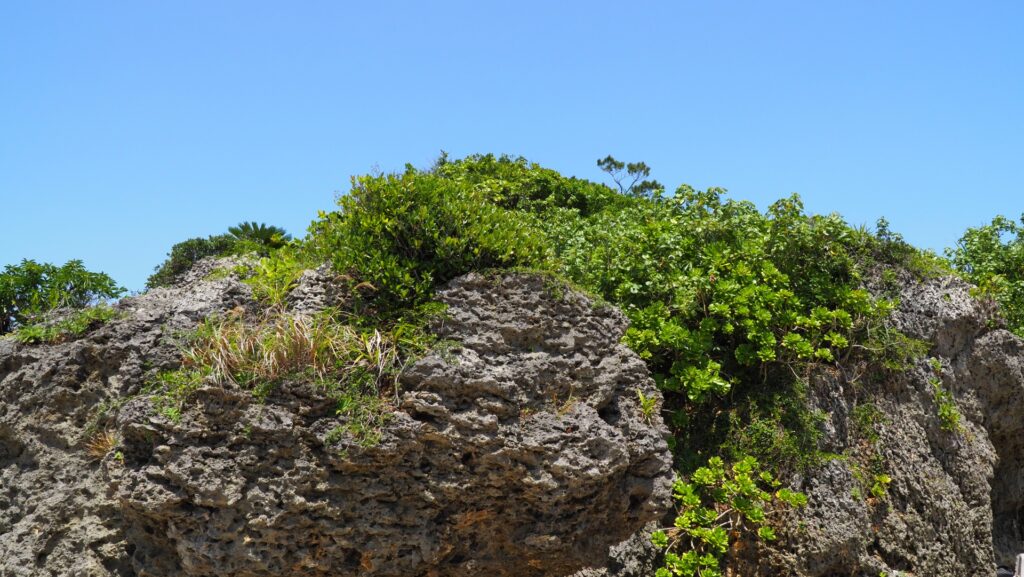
x=357, y=367
x=101, y=444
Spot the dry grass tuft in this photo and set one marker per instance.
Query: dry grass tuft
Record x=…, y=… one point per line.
x=281, y=344
x=101, y=444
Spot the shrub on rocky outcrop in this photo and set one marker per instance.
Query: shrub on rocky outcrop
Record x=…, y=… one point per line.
x=30, y=290
x=432, y=382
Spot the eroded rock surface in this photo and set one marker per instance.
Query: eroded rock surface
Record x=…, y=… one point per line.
x=58, y=513
x=953, y=505
x=518, y=449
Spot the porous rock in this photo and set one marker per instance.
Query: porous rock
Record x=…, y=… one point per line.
x=518, y=448
x=58, y=513
x=315, y=290
x=955, y=498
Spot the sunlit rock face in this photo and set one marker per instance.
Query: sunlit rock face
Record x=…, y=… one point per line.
x=518, y=448
x=955, y=503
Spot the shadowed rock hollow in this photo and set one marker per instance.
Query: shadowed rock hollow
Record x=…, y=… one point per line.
x=520, y=449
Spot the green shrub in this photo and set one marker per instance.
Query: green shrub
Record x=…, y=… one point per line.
x=244, y=238
x=73, y=325
x=185, y=254
x=400, y=236
x=992, y=257
x=29, y=290
x=717, y=505
x=715, y=290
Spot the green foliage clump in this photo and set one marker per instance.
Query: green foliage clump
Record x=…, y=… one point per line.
x=732, y=308
x=777, y=426
x=716, y=505
x=716, y=291
x=260, y=234
x=887, y=250
x=272, y=278
x=948, y=412
x=400, y=236
x=30, y=289
x=74, y=324
x=244, y=238
x=992, y=257
x=185, y=254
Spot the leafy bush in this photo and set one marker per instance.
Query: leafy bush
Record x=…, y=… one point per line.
x=716, y=505
x=714, y=288
x=29, y=290
x=992, y=257
x=400, y=236
x=185, y=254
x=244, y=238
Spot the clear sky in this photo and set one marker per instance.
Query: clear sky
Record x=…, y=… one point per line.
x=128, y=126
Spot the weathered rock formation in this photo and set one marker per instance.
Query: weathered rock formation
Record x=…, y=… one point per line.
x=518, y=449
x=58, y=511
x=955, y=503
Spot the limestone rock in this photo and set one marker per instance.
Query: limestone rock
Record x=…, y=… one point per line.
x=518, y=448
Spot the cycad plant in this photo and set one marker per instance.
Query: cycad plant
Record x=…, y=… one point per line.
x=260, y=233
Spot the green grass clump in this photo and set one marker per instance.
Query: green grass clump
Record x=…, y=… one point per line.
x=356, y=366
x=75, y=324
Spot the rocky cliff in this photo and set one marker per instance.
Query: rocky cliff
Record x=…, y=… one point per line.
x=903, y=490
x=518, y=448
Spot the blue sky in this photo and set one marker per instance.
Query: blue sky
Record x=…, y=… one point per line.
x=128, y=126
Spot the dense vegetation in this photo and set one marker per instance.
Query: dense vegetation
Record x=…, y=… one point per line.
x=244, y=238
x=732, y=308
x=30, y=290
x=992, y=257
